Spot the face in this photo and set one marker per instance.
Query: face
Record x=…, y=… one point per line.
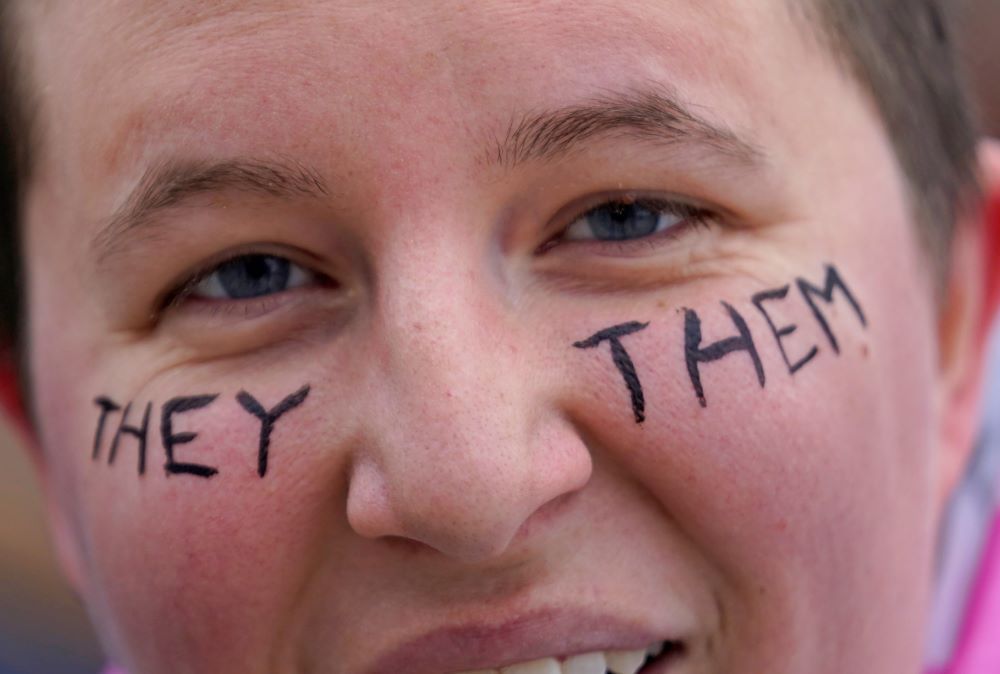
x=442, y=336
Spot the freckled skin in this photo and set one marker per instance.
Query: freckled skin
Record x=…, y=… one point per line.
x=457, y=459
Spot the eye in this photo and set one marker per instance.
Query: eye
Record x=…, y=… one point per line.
x=249, y=276
x=628, y=219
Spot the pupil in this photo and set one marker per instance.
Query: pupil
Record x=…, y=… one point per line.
x=620, y=212
x=256, y=268
x=254, y=276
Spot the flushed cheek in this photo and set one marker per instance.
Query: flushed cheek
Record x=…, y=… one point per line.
x=733, y=439
x=794, y=485
x=223, y=550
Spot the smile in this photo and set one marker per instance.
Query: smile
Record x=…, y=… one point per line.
x=599, y=662
x=544, y=642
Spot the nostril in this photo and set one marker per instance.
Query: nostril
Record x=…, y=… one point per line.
x=408, y=546
x=543, y=517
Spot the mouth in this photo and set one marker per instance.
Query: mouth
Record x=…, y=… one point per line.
x=541, y=642
x=654, y=659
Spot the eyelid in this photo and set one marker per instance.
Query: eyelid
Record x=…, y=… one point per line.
x=184, y=284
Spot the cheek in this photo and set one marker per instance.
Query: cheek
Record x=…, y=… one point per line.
x=751, y=456
x=810, y=495
x=212, y=553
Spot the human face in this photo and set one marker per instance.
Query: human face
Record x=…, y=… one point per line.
x=349, y=255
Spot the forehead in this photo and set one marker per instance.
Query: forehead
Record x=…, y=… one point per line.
x=122, y=80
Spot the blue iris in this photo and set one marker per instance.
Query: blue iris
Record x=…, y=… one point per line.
x=251, y=276
x=622, y=221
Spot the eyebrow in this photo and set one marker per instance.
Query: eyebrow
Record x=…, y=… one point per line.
x=171, y=183
x=652, y=114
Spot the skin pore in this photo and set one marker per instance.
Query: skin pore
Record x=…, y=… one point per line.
x=411, y=214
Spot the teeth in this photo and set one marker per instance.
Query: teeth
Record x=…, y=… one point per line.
x=588, y=663
x=626, y=662
x=544, y=666
x=613, y=662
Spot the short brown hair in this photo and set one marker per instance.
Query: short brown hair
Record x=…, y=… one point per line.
x=900, y=52
x=904, y=56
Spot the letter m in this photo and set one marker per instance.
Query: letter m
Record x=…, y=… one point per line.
x=833, y=284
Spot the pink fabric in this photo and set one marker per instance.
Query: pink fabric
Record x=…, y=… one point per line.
x=979, y=648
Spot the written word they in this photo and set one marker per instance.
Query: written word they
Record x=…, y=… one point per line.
x=138, y=433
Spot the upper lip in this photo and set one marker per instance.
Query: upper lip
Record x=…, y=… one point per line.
x=529, y=636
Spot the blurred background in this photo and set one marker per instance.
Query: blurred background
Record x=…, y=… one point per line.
x=43, y=629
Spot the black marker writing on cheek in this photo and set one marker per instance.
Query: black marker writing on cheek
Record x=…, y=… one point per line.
x=781, y=333
x=695, y=354
x=833, y=282
x=267, y=419
x=139, y=433
x=107, y=406
x=622, y=361
x=171, y=439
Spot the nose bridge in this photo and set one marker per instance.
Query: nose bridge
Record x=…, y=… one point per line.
x=435, y=312
x=441, y=328
x=457, y=458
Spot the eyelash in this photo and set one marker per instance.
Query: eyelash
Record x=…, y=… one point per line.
x=690, y=215
x=182, y=290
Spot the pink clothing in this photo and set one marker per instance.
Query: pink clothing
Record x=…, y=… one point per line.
x=978, y=649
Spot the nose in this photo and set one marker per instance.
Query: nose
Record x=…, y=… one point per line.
x=463, y=445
